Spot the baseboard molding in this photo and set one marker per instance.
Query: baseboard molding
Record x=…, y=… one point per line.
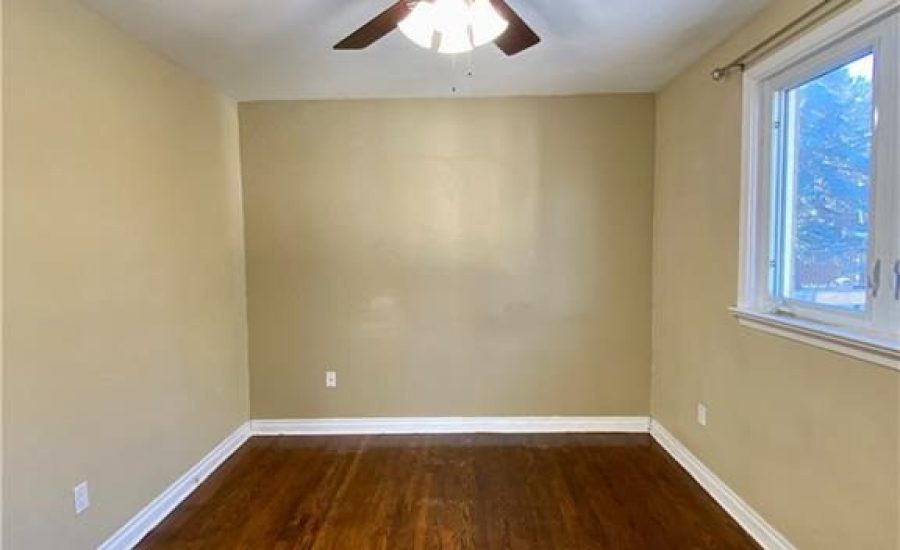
x=767, y=536
x=452, y=425
x=137, y=528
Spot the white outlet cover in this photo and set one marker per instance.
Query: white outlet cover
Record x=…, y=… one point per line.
x=330, y=379
x=82, y=497
x=701, y=414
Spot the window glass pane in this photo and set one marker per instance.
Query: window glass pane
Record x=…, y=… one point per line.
x=827, y=169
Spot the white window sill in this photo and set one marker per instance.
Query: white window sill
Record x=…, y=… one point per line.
x=878, y=350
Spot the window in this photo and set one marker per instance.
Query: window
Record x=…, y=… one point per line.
x=821, y=196
x=821, y=180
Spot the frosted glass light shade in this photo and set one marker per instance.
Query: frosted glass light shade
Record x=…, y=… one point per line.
x=452, y=19
x=486, y=22
x=461, y=24
x=419, y=25
x=456, y=40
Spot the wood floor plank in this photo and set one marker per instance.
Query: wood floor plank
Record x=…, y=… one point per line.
x=570, y=491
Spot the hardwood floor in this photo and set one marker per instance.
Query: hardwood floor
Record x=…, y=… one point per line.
x=562, y=491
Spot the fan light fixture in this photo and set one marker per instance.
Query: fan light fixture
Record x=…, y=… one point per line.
x=461, y=25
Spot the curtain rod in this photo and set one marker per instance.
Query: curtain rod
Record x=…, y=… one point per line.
x=790, y=30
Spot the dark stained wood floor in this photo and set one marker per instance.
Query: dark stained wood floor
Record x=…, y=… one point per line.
x=564, y=491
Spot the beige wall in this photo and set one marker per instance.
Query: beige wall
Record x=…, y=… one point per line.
x=2, y=324
x=125, y=357
x=807, y=437
x=469, y=257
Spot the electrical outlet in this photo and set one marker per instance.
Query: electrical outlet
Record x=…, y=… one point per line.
x=701, y=414
x=82, y=497
x=330, y=379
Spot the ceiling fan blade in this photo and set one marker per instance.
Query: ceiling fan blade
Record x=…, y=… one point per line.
x=518, y=35
x=377, y=28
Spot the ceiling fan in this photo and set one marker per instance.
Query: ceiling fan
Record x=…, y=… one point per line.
x=455, y=26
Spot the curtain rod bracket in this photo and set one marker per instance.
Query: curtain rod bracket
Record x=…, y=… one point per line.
x=785, y=33
x=721, y=73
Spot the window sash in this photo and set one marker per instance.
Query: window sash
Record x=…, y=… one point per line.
x=882, y=312
x=783, y=182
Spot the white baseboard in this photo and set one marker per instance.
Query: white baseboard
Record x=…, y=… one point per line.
x=767, y=536
x=137, y=528
x=452, y=425
x=148, y=518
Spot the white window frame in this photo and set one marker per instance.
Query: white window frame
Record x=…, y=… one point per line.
x=874, y=335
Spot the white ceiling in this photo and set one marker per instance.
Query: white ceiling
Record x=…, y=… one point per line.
x=281, y=49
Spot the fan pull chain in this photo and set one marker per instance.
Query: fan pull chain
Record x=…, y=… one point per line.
x=468, y=72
